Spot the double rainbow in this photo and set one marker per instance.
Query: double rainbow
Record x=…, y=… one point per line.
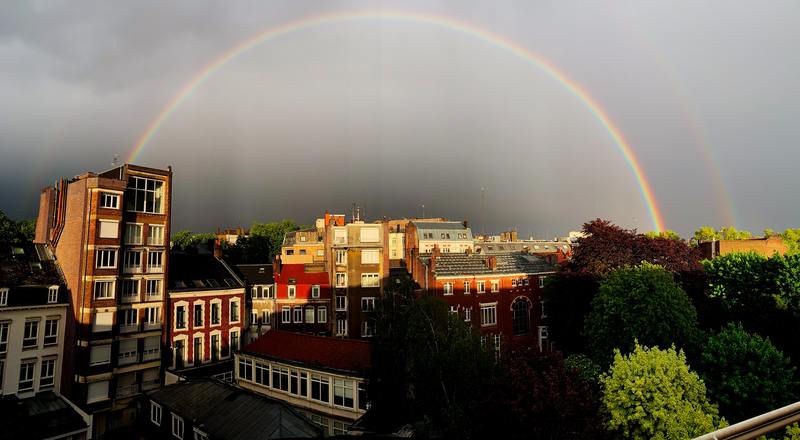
x=443, y=22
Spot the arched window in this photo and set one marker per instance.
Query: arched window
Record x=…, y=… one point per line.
x=520, y=311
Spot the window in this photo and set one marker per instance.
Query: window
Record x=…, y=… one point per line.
x=341, y=327
x=481, y=286
x=215, y=347
x=198, y=315
x=368, y=304
x=468, y=314
x=268, y=292
x=302, y=251
x=30, y=337
x=245, y=369
x=286, y=315
x=370, y=280
x=289, y=251
x=128, y=352
x=341, y=257
x=488, y=314
x=280, y=378
x=108, y=200
x=292, y=291
x=495, y=286
x=234, y=311
x=132, y=261
x=369, y=235
x=197, y=352
x=106, y=258
x=265, y=316
x=262, y=374
x=26, y=373
x=128, y=318
x=544, y=310
x=363, y=402
x=100, y=354
x=153, y=288
x=104, y=289
x=447, y=288
x=177, y=426
x=216, y=313
x=4, y=296
x=322, y=314
x=309, y=315
x=543, y=335
x=341, y=279
x=254, y=317
x=4, y=336
x=133, y=233
x=541, y=282
x=320, y=252
x=97, y=391
x=180, y=317
x=341, y=303
x=155, y=235
x=130, y=290
x=343, y=393
x=103, y=321
x=520, y=316
x=152, y=315
x=298, y=315
x=496, y=347
x=526, y=281
x=454, y=310
x=52, y=294
x=368, y=328
x=145, y=195
x=152, y=348
x=200, y=435
x=155, y=413
x=514, y=282
x=320, y=388
x=370, y=256
x=154, y=261
x=315, y=291
x=466, y=287
x=234, y=335
x=51, y=331
x=108, y=229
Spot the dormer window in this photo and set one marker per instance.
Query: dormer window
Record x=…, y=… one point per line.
x=52, y=295
x=3, y=296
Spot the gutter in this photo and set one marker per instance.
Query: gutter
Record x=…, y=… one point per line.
x=757, y=426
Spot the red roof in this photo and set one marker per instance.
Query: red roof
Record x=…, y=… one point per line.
x=313, y=351
x=298, y=272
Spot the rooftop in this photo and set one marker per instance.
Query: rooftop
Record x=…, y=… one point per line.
x=440, y=225
x=320, y=352
x=256, y=273
x=188, y=272
x=27, y=264
x=44, y=415
x=473, y=264
x=226, y=412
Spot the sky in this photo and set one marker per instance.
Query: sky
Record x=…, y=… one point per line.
x=395, y=114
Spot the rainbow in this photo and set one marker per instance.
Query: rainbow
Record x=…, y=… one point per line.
x=490, y=37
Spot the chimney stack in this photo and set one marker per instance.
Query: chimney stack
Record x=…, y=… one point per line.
x=466, y=224
x=217, y=248
x=491, y=262
x=276, y=266
x=435, y=256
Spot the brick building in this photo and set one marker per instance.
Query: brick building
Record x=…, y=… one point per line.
x=762, y=246
x=260, y=293
x=422, y=236
x=206, y=309
x=501, y=295
x=302, y=298
x=109, y=232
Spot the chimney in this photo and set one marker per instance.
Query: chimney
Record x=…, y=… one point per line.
x=491, y=262
x=435, y=256
x=217, y=248
x=466, y=224
x=276, y=266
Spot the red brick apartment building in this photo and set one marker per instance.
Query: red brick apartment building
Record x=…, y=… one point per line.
x=302, y=298
x=206, y=312
x=501, y=295
x=109, y=232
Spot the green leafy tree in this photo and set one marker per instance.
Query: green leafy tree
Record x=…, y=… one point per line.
x=11, y=231
x=668, y=235
x=731, y=233
x=746, y=374
x=652, y=394
x=273, y=233
x=706, y=233
x=586, y=368
x=791, y=238
x=186, y=240
x=641, y=302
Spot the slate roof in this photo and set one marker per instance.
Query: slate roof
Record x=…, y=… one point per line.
x=441, y=226
x=529, y=246
x=256, y=273
x=188, y=272
x=227, y=412
x=290, y=238
x=319, y=352
x=41, y=416
x=28, y=270
x=457, y=264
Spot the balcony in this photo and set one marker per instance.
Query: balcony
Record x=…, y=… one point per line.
x=132, y=269
x=129, y=298
x=124, y=391
x=152, y=326
x=129, y=328
x=155, y=269
x=148, y=385
x=152, y=297
x=126, y=358
x=152, y=354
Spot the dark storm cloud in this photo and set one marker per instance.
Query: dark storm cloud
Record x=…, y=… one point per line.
x=394, y=115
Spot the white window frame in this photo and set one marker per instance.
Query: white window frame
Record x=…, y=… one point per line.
x=102, y=251
x=47, y=378
x=495, y=285
x=315, y=291
x=368, y=304
x=133, y=194
x=52, y=294
x=48, y=329
x=468, y=314
x=106, y=197
x=447, y=288
x=3, y=296
x=343, y=299
x=291, y=291
x=131, y=236
x=322, y=315
x=480, y=286
x=310, y=314
x=297, y=315
x=156, y=413
x=110, y=227
x=155, y=261
x=341, y=327
x=541, y=282
x=34, y=329
x=488, y=306
x=159, y=237
x=370, y=256
x=148, y=293
x=372, y=280
x=4, y=329
x=286, y=315
x=30, y=374
x=112, y=285
x=177, y=426
x=127, y=256
x=369, y=235
x=341, y=279
x=466, y=287
x=367, y=328
x=341, y=257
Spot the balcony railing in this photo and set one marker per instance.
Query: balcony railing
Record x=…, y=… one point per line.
x=132, y=269
x=155, y=269
x=127, y=390
x=129, y=357
x=152, y=296
x=128, y=328
x=129, y=298
x=152, y=325
x=154, y=353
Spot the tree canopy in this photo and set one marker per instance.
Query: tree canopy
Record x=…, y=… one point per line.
x=652, y=394
x=12, y=231
x=641, y=302
x=263, y=244
x=186, y=240
x=746, y=374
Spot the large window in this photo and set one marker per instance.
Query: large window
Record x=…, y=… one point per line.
x=155, y=413
x=153, y=288
x=106, y=258
x=30, y=337
x=368, y=304
x=262, y=374
x=108, y=200
x=520, y=316
x=341, y=257
x=145, y=195
x=132, y=261
x=370, y=235
x=108, y=229
x=154, y=261
x=370, y=256
x=370, y=280
x=51, y=331
x=245, y=369
x=343, y=393
x=133, y=233
x=155, y=235
x=341, y=303
x=320, y=388
x=27, y=369
x=489, y=314
x=52, y=294
x=152, y=315
x=309, y=318
x=130, y=290
x=280, y=378
x=341, y=327
x=103, y=289
x=100, y=354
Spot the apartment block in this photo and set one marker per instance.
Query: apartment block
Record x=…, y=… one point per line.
x=110, y=233
x=302, y=297
x=260, y=298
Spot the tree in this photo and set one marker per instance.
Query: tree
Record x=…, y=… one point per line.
x=652, y=394
x=186, y=240
x=639, y=302
x=273, y=233
x=13, y=232
x=746, y=374
x=706, y=233
x=569, y=298
x=731, y=233
x=669, y=235
x=791, y=238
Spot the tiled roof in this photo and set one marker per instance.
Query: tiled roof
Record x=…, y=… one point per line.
x=199, y=272
x=44, y=415
x=256, y=273
x=440, y=225
x=534, y=247
x=227, y=412
x=303, y=274
x=320, y=352
x=472, y=264
x=27, y=264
